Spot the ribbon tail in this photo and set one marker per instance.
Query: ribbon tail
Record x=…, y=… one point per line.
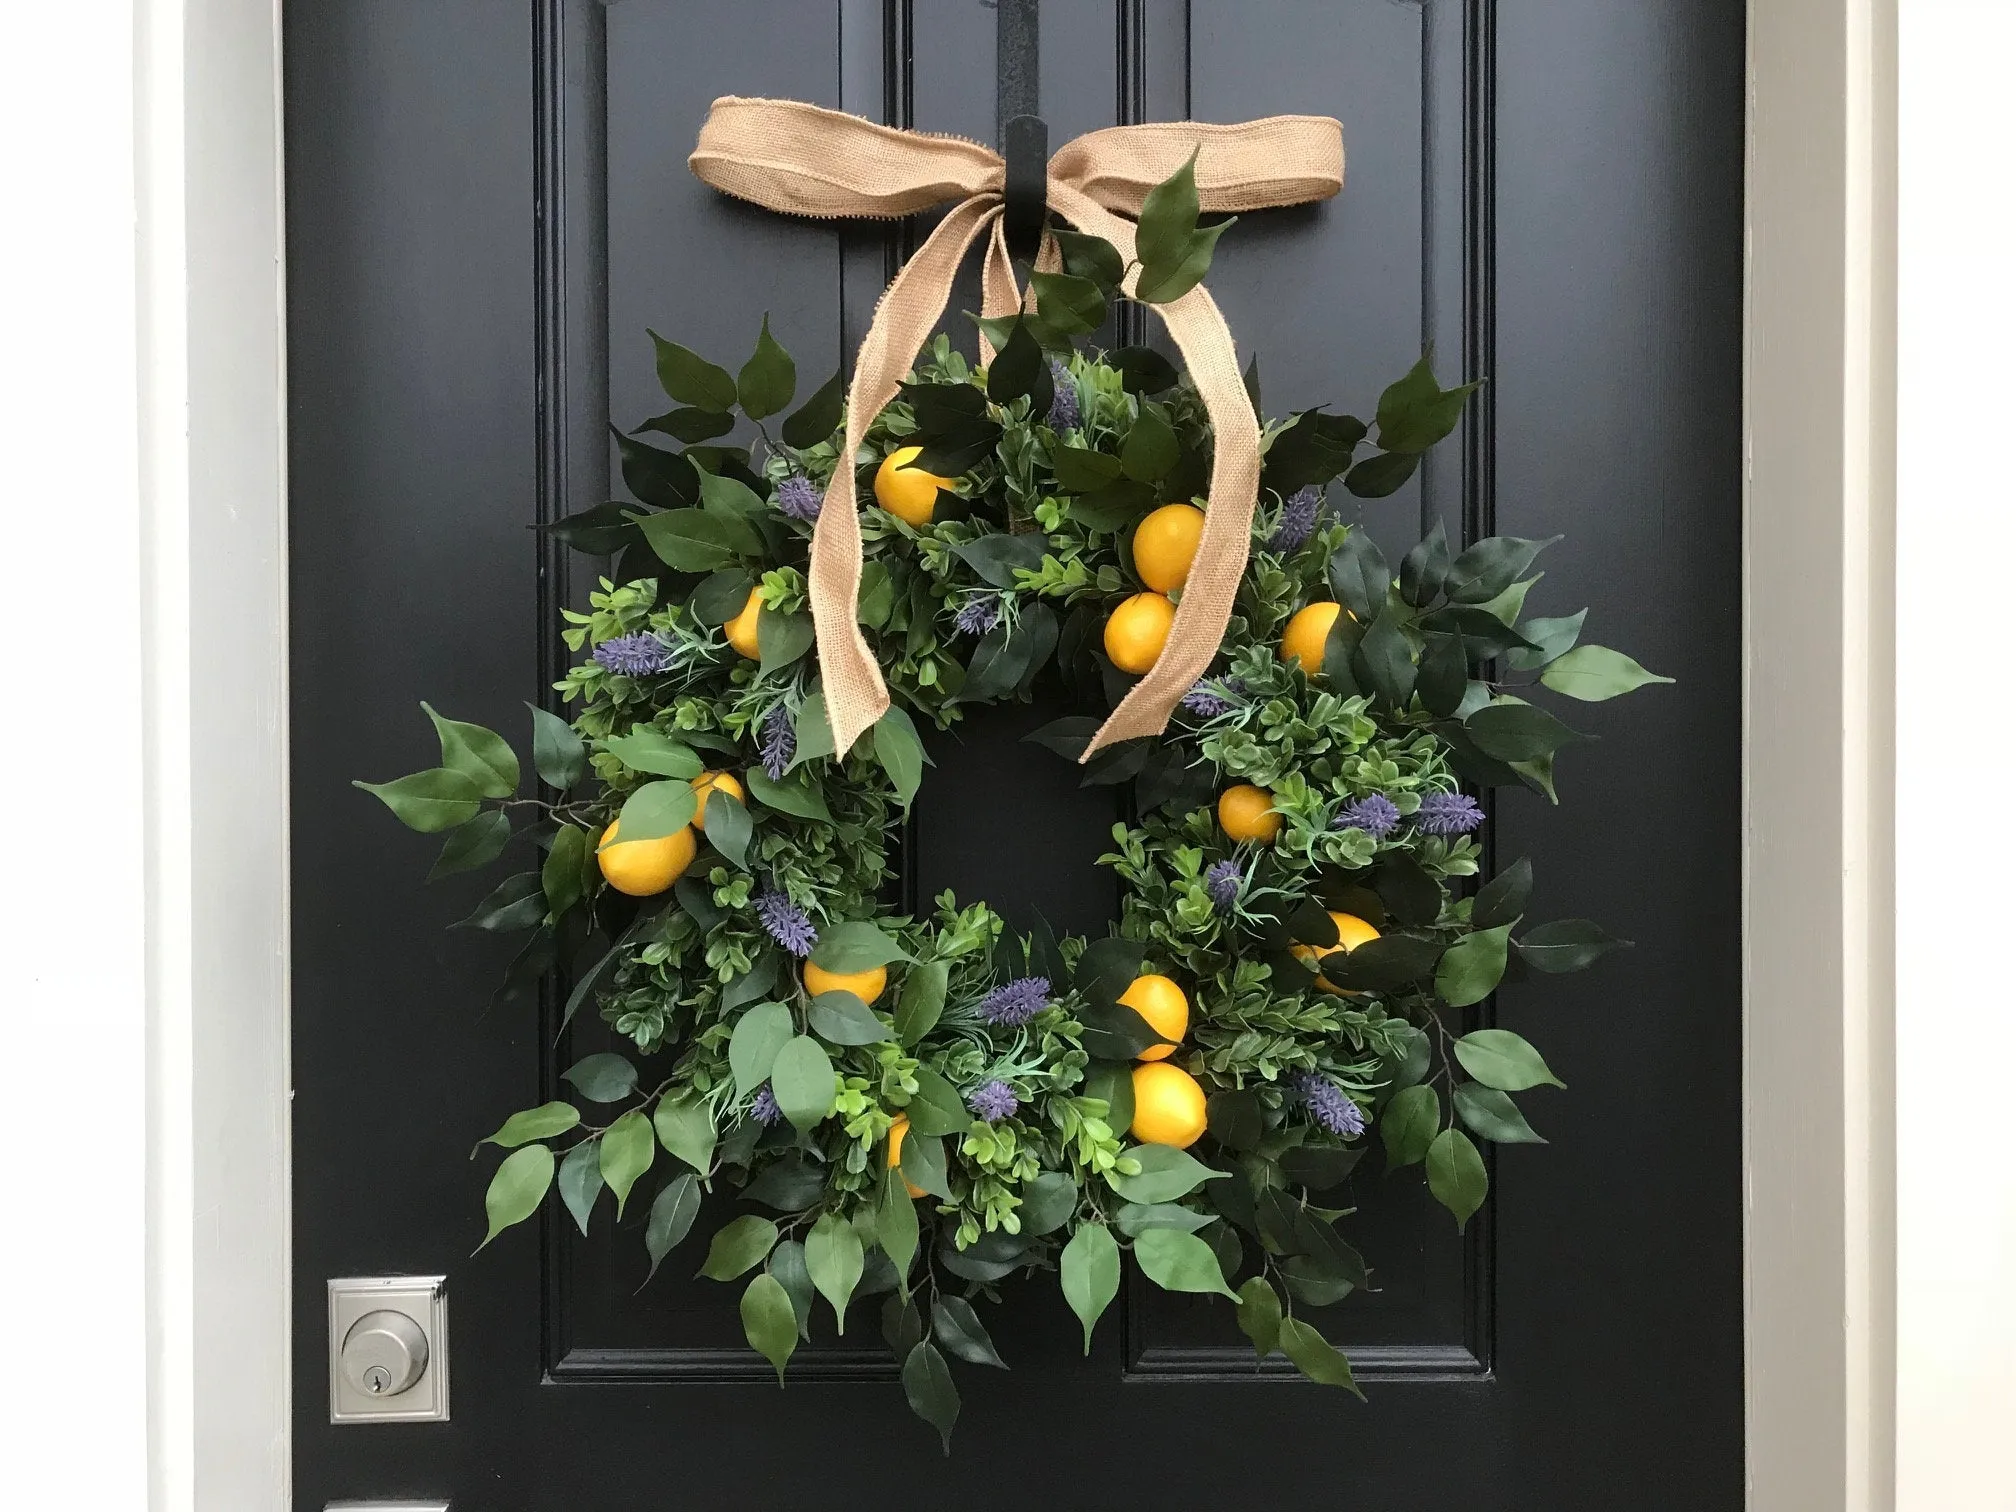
x=852, y=680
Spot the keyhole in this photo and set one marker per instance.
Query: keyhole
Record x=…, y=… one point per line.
x=376, y=1379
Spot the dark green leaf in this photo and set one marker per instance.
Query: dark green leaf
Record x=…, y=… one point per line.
x=472, y=845
x=997, y=558
x=1315, y=1357
x=818, y=417
x=1416, y=412
x=1411, y=896
x=1490, y=1114
x=923, y=1163
x=1381, y=474
x=691, y=540
x=781, y=639
x=688, y=378
x=1502, y=900
x=518, y=1188
x=1471, y=968
x=1312, y=450
x=1423, y=569
x=602, y=531
x=1386, y=661
x=1518, y=732
x=855, y=946
x=1383, y=964
x=921, y=1000
x=936, y=1108
x=1234, y=1119
x=1090, y=257
x=1068, y=736
x=927, y=1384
x=751, y=985
x=1456, y=1174
x=1444, y=676
x=689, y=424
x=740, y=1246
x=1048, y=1200
x=1260, y=1315
x=656, y=810
x=768, y=379
x=1021, y=370
x=721, y=596
x=896, y=1222
x=671, y=1219
x=662, y=479
x=900, y=753
x=518, y=902
x=1499, y=1058
x=602, y=1078
x=1112, y=1082
x=1566, y=945
x=1359, y=575
x=793, y=796
x=561, y=876
x=581, y=1182
x=728, y=827
x=480, y=754
x=1166, y=1174
x=647, y=749
x=557, y=751
x=1318, y=1167
x=1150, y=449
x=431, y=801
x=1068, y=303
x=959, y=1329
x=1548, y=638
x=1488, y=568
x=1408, y=1125
x=1143, y=370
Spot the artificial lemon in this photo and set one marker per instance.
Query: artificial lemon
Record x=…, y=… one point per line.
x=865, y=985
x=1168, y=1105
x=1306, y=634
x=741, y=630
x=1165, y=544
x=1352, y=932
x=642, y=868
x=1137, y=631
x=896, y=1132
x=712, y=782
x=1246, y=812
x=907, y=492
x=1161, y=1003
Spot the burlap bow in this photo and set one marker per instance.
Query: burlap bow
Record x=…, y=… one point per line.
x=803, y=160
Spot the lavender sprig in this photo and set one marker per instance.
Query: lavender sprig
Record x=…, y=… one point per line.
x=785, y=922
x=639, y=654
x=1221, y=883
x=1299, y=512
x=798, y=497
x=1015, y=1003
x=1448, y=814
x=1328, y=1106
x=1375, y=814
x=777, y=742
x=994, y=1101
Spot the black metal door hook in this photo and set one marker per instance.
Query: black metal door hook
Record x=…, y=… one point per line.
x=1025, y=144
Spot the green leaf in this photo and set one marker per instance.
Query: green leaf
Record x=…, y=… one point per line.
x=818, y=417
x=1112, y=1082
x=752, y=1049
x=927, y=1383
x=896, y=1222
x=1359, y=575
x=626, y=1154
x=1456, y=1174
x=1503, y=899
x=768, y=379
x=656, y=810
x=1081, y=471
x=684, y=1124
x=1150, y=449
x=1048, y=1200
x=560, y=876
x=671, y=1219
x=1168, y=219
x=833, y=1257
x=1260, y=1315
x=1408, y=1125
x=1316, y=1357
x=518, y=1188
x=1423, y=569
x=431, y=801
x=769, y=1322
x=1566, y=945
x=518, y=902
x=481, y=755
x=1234, y=1118
x=1176, y=1261
x=900, y=753
x=1166, y=1174
x=1550, y=638
x=1472, y=967
x=997, y=558
x=1387, y=661
x=792, y=796
x=1444, y=676
x=1518, y=732
x=689, y=425
x=646, y=749
x=1068, y=303
x=960, y=1330
x=662, y=479
x=1382, y=474
x=728, y=827
x=738, y=1246
x=1135, y=1219
x=720, y=596
x=841, y=1018
x=921, y=1000
x=855, y=946
x=1091, y=257
x=1499, y=1058
x=690, y=540
x=472, y=845
x=813, y=730
x=1594, y=673
x=1492, y=565
x=1088, y=1269
x=1021, y=370
x=557, y=752
x=1416, y=412
x=936, y=1107
x=689, y=378
x=602, y=1078
x=542, y=1122
x=803, y=1081
x=581, y=1182
x=923, y=1163
x=1491, y=1115
x=1319, y=1167
x=781, y=639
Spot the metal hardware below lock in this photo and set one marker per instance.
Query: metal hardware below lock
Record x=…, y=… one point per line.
x=388, y=1349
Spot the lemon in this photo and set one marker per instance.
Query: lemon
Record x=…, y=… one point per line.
x=1137, y=631
x=1165, y=544
x=865, y=985
x=1161, y=1002
x=1246, y=812
x=712, y=782
x=1352, y=932
x=1306, y=634
x=907, y=492
x=644, y=867
x=896, y=1132
x=1168, y=1105
x=741, y=630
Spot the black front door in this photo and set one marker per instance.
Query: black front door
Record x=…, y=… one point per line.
x=488, y=203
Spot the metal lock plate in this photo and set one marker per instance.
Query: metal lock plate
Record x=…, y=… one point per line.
x=388, y=1349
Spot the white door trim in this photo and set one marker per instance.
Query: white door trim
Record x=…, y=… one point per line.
x=209, y=526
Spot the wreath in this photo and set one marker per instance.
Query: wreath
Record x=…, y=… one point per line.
x=922, y=1109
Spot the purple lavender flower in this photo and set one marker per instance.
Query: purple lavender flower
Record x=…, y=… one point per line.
x=1207, y=700
x=1448, y=814
x=1064, y=402
x=639, y=654
x=978, y=614
x=763, y=1106
x=1374, y=814
x=798, y=497
x=1327, y=1104
x=1015, y=1003
x=785, y=922
x=1298, y=520
x=777, y=741
x=1221, y=881
x=994, y=1101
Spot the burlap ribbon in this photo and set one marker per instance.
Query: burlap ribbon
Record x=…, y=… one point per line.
x=803, y=160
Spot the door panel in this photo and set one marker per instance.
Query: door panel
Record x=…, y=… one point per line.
x=488, y=205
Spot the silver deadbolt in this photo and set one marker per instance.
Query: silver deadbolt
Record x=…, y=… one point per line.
x=384, y=1353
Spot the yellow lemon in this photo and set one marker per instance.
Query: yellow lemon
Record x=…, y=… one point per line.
x=1165, y=544
x=644, y=867
x=1246, y=812
x=741, y=630
x=1168, y=1105
x=1352, y=932
x=1304, y=638
x=907, y=492
x=712, y=782
x=896, y=1132
x=865, y=985
x=1137, y=631
x=1161, y=1002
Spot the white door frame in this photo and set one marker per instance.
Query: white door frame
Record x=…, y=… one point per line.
x=209, y=764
